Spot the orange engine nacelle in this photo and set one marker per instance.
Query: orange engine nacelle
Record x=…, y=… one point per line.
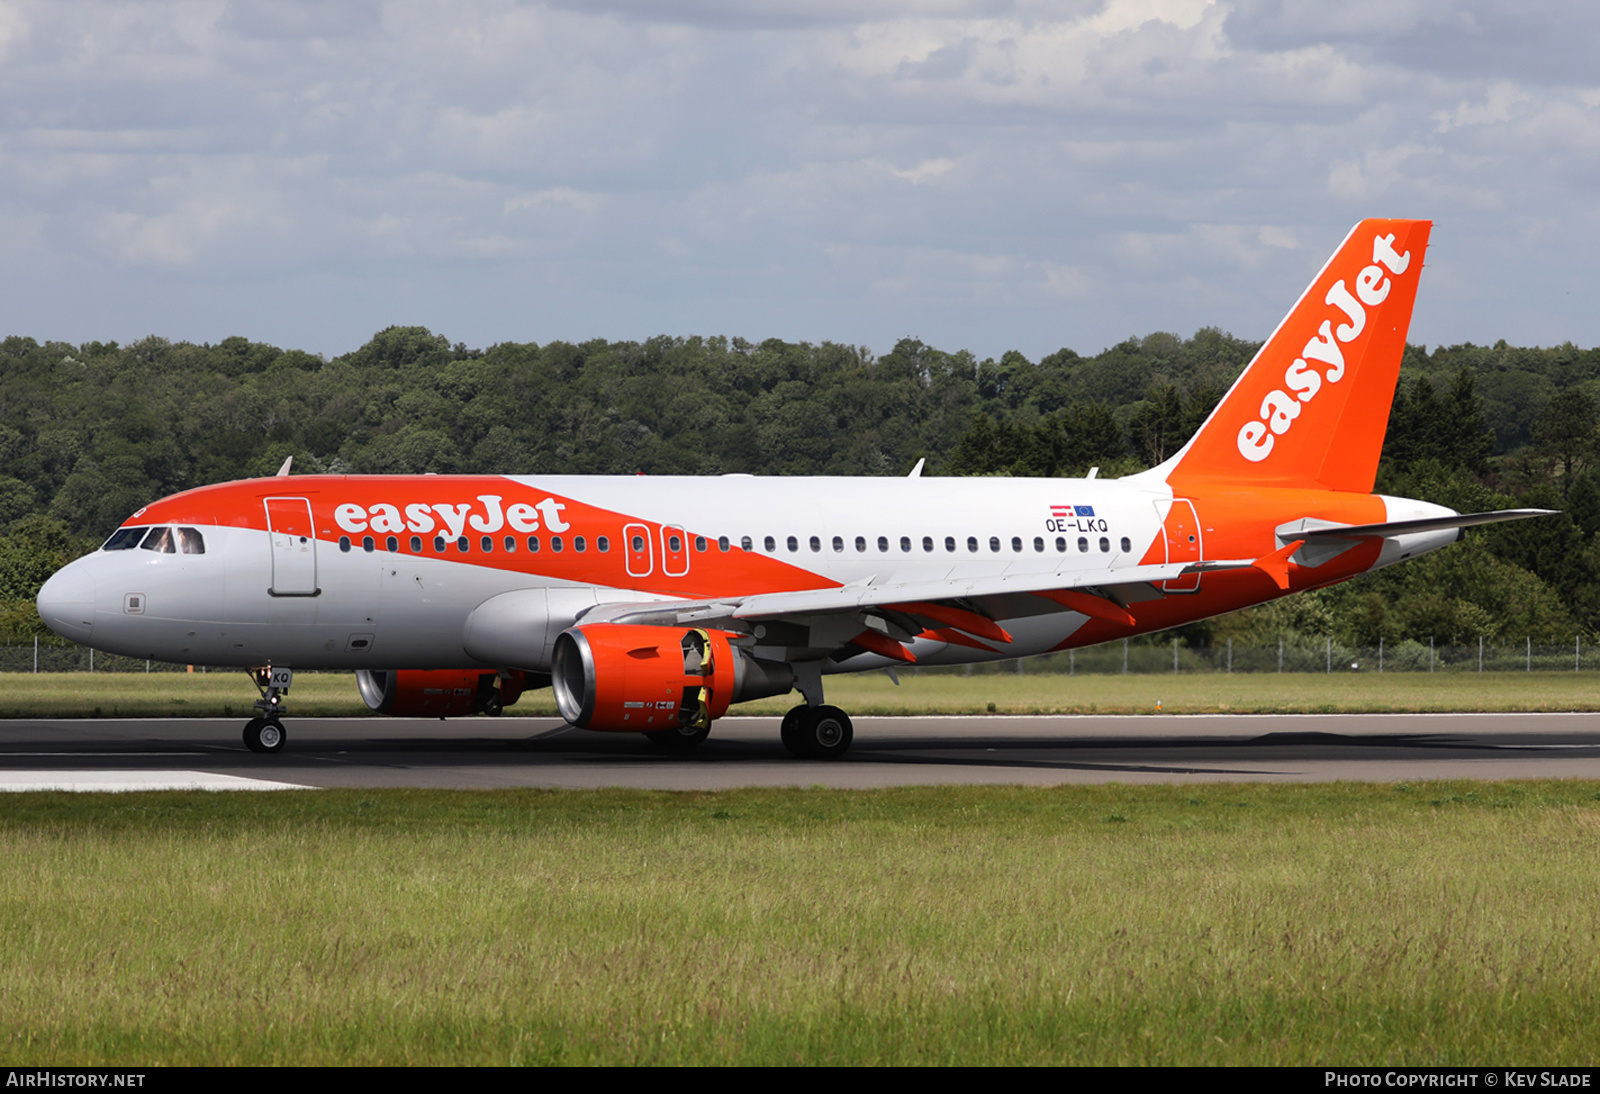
x=642, y=678
x=435, y=693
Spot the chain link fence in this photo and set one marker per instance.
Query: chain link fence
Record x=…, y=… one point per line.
x=1299, y=654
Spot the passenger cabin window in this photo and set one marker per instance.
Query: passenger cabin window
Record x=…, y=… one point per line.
x=905, y=544
x=486, y=544
x=1126, y=546
x=368, y=545
x=510, y=543
x=838, y=544
x=1105, y=545
x=1038, y=544
x=463, y=545
x=438, y=544
x=700, y=543
x=556, y=544
x=746, y=543
x=794, y=544
x=603, y=544
x=344, y=544
x=722, y=543
x=124, y=539
x=816, y=544
x=772, y=545
x=1083, y=544
x=392, y=544
x=883, y=545
x=416, y=545
x=1061, y=545
x=533, y=545
x=580, y=544
x=927, y=543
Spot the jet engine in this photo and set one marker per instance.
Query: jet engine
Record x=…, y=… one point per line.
x=439, y=693
x=643, y=678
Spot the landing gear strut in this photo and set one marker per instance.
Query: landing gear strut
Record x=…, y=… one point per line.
x=265, y=733
x=817, y=733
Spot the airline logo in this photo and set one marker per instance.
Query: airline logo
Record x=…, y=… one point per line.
x=451, y=519
x=1322, y=360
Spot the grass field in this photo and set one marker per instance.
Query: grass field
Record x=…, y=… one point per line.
x=227, y=694
x=1332, y=924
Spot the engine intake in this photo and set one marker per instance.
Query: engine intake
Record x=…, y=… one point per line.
x=637, y=678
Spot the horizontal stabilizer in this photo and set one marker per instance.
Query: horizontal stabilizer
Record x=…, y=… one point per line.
x=1405, y=527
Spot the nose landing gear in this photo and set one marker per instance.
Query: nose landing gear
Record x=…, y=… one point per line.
x=265, y=733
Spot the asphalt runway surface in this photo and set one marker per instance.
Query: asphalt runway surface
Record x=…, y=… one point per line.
x=131, y=754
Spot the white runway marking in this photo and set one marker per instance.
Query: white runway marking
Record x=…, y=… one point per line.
x=117, y=781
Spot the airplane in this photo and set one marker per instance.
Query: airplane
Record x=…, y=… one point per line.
x=651, y=604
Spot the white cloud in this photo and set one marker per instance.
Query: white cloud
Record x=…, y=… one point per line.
x=988, y=173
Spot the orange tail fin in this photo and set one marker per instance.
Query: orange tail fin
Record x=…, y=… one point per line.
x=1312, y=408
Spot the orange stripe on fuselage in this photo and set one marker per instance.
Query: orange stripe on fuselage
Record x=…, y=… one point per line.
x=712, y=572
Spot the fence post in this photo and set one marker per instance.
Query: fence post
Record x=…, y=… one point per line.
x=1577, y=650
x=1174, y=657
x=36, y=655
x=1280, y=653
x=1380, y=655
x=1530, y=653
x=91, y=658
x=1230, y=655
x=1430, y=653
x=1072, y=662
x=1330, y=654
x=1124, y=657
x=1480, y=653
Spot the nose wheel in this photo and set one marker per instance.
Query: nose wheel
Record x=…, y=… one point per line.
x=264, y=735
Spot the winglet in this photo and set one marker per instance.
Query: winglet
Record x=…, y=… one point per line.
x=284, y=470
x=1276, y=565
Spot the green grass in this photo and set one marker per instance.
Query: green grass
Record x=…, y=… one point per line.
x=1440, y=923
x=228, y=694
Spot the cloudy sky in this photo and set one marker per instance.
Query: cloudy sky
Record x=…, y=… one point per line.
x=982, y=174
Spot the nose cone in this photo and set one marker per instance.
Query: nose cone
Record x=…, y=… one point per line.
x=66, y=603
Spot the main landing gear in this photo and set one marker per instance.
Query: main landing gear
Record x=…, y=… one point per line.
x=265, y=733
x=817, y=733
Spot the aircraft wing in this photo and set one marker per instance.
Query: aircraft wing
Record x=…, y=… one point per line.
x=871, y=593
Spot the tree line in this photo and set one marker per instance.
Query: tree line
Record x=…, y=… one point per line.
x=89, y=433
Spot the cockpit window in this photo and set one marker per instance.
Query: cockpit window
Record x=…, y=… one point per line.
x=160, y=539
x=166, y=541
x=124, y=539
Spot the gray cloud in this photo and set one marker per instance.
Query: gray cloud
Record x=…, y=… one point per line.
x=986, y=175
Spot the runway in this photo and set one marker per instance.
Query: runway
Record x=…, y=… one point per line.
x=135, y=754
